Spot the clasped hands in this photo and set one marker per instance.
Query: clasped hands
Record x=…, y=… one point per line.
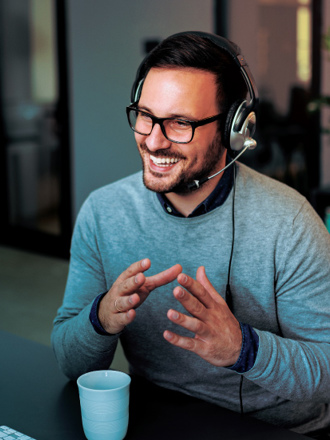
x=217, y=333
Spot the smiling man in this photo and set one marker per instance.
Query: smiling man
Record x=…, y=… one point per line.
x=215, y=278
x=186, y=95
x=168, y=167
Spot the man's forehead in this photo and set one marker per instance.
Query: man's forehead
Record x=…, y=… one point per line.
x=194, y=71
x=186, y=91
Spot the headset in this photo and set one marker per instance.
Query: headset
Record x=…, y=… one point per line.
x=240, y=123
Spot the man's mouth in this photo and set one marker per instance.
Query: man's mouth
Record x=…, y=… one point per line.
x=164, y=161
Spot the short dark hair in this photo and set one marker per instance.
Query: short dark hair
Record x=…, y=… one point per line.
x=194, y=51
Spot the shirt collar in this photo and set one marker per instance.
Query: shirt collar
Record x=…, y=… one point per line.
x=217, y=197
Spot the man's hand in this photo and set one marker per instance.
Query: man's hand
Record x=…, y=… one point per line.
x=130, y=290
x=218, y=336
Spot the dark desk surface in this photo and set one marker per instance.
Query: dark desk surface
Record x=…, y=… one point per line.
x=35, y=398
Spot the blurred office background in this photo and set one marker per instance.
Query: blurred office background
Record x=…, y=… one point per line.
x=66, y=71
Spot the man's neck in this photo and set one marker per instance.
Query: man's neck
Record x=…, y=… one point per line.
x=186, y=203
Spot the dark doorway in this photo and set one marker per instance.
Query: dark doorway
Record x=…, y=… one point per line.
x=34, y=133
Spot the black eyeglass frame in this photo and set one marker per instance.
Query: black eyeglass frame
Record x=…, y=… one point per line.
x=160, y=122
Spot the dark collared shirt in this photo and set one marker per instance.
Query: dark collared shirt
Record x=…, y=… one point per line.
x=217, y=197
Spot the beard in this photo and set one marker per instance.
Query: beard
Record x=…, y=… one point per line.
x=179, y=183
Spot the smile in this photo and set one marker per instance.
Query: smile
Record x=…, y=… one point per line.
x=163, y=161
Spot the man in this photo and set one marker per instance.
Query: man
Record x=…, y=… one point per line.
x=205, y=280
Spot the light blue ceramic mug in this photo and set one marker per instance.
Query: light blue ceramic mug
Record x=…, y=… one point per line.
x=104, y=402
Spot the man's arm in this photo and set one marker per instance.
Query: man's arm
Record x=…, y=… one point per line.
x=292, y=369
x=295, y=364
x=77, y=346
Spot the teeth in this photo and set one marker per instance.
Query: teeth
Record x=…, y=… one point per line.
x=165, y=161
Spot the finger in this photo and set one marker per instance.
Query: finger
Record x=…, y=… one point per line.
x=202, y=278
x=196, y=289
x=130, y=285
x=192, y=324
x=118, y=320
x=190, y=344
x=134, y=269
x=192, y=304
x=164, y=277
x=125, y=303
x=122, y=320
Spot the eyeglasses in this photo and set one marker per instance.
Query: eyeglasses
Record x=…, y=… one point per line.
x=180, y=131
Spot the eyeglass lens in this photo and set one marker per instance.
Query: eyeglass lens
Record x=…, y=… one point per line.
x=177, y=130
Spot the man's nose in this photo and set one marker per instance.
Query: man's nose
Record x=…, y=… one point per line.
x=156, y=139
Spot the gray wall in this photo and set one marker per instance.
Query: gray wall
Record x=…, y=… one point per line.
x=106, y=44
x=325, y=117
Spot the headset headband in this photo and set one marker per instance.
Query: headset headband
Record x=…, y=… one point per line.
x=241, y=111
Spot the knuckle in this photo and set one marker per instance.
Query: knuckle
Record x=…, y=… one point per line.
x=130, y=270
x=123, y=319
x=125, y=286
x=197, y=308
x=175, y=339
x=189, y=344
x=203, y=293
x=133, y=269
x=199, y=327
x=128, y=285
x=124, y=275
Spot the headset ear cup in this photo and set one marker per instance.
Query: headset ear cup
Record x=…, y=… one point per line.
x=230, y=120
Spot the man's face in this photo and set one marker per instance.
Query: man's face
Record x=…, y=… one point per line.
x=187, y=94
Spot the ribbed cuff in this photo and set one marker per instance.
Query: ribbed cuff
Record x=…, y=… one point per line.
x=249, y=350
x=93, y=316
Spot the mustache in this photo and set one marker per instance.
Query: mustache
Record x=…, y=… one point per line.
x=161, y=153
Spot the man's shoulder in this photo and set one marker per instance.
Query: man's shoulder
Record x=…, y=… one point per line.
x=127, y=185
x=266, y=196
x=260, y=183
x=123, y=194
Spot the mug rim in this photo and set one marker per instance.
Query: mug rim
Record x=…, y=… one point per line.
x=106, y=373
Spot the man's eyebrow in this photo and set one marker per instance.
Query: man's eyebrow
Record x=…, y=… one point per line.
x=172, y=115
x=144, y=109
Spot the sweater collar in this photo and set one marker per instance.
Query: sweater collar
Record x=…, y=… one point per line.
x=217, y=197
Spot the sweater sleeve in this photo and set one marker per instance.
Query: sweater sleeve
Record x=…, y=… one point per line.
x=296, y=363
x=77, y=346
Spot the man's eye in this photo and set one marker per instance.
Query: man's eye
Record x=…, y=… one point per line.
x=145, y=117
x=180, y=124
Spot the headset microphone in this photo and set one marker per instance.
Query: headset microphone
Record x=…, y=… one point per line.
x=248, y=144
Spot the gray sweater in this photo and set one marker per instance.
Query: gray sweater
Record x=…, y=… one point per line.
x=280, y=280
